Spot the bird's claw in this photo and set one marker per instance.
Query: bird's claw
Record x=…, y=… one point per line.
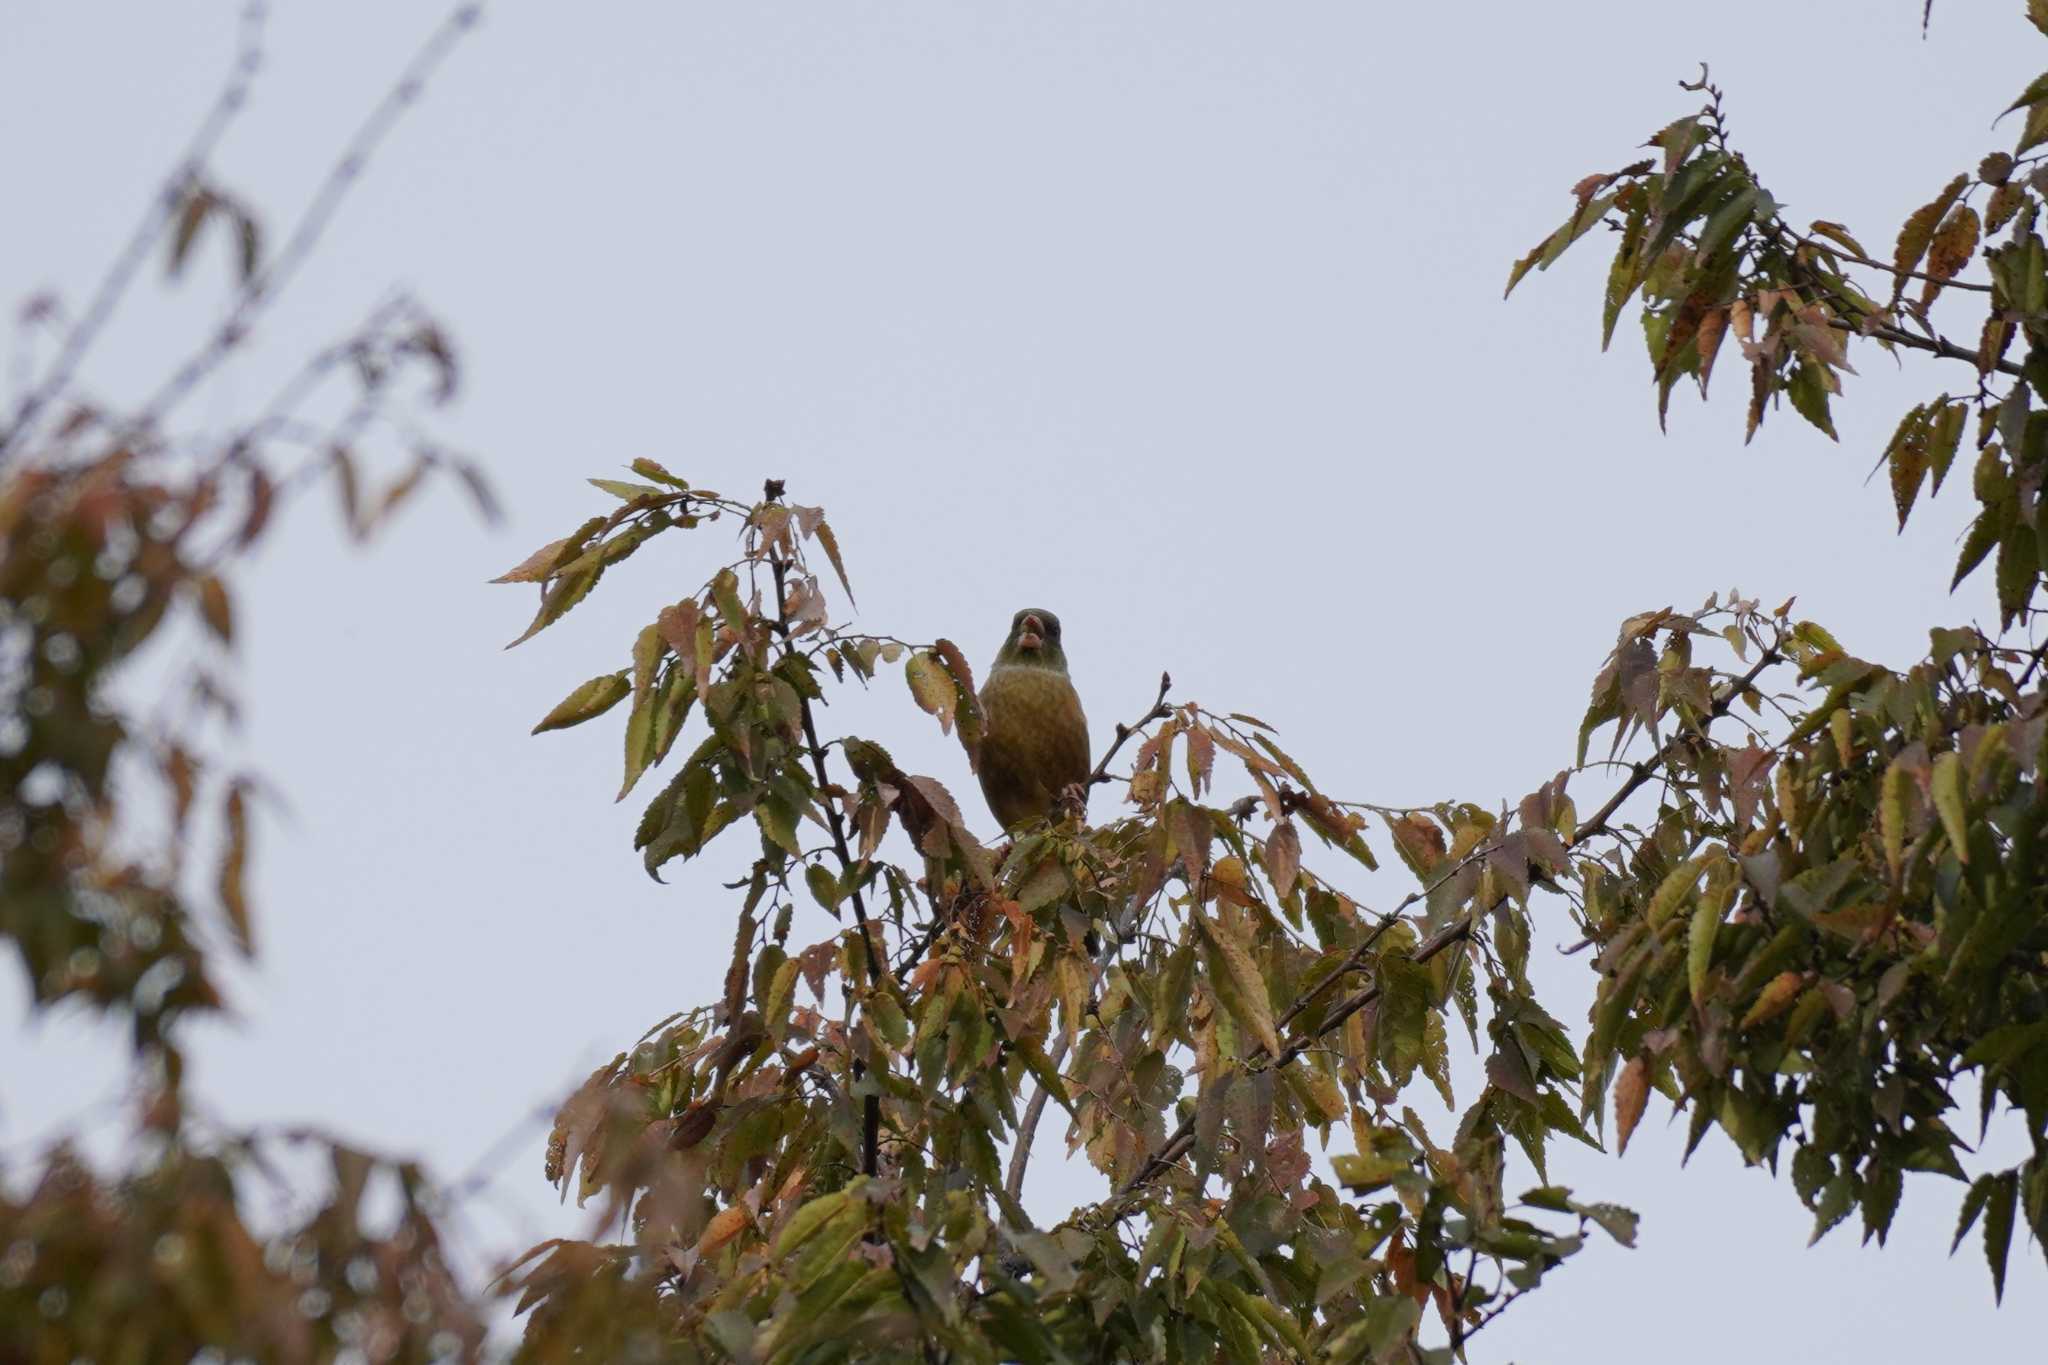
x=1073, y=799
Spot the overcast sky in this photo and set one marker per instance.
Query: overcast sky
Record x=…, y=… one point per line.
x=1181, y=320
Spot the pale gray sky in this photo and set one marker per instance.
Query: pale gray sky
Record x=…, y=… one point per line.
x=1183, y=320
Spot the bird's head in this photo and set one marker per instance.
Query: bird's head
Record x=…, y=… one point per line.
x=1034, y=642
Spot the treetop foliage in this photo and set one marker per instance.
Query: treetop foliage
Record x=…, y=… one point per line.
x=1808, y=888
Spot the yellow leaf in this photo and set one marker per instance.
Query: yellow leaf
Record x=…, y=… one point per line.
x=722, y=1229
x=1840, y=724
x=1780, y=992
x=1245, y=990
x=1948, y=802
x=1891, y=814
x=589, y=700
x=932, y=687
x=1283, y=857
x=1699, y=954
x=1676, y=886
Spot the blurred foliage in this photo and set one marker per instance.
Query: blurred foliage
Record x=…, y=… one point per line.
x=1826, y=941
x=1809, y=891
x=126, y=829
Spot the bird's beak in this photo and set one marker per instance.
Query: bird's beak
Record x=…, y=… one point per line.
x=1031, y=634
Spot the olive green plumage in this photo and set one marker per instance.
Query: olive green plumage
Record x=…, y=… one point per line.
x=1035, y=739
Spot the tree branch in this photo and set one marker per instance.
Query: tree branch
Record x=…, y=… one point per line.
x=233, y=97
x=1160, y=710
x=871, y=1106
x=1457, y=931
x=1940, y=346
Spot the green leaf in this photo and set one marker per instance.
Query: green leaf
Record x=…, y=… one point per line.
x=1983, y=537
x=1891, y=814
x=649, y=469
x=1699, y=947
x=626, y=492
x=589, y=701
x=1049, y=1078
x=567, y=588
x=1809, y=395
x=1998, y=1219
x=779, y=825
x=1625, y=275
x=1907, y=455
x=1973, y=1204
x=1676, y=886
x=824, y=886
x=2016, y=571
x=1943, y=440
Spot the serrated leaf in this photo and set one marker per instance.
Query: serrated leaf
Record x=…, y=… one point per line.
x=1973, y=1204
x=1948, y=802
x=625, y=491
x=1918, y=231
x=1676, y=886
x=588, y=701
x=1699, y=946
x=1981, y=540
x=563, y=593
x=1631, y=1095
x=2016, y=571
x=1777, y=995
x=1283, y=857
x=2000, y=1200
x=831, y=544
x=931, y=687
x=1246, y=997
x=1891, y=813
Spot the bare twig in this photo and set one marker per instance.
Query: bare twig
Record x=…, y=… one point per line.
x=270, y=279
x=1937, y=345
x=1027, y=1129
x=163, y=206
x=1160, y=711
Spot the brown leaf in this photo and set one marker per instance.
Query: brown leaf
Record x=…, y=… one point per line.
x=234, y=866
x=1951, y=250
x=1712, y=327
x=1419, y=840
x=1283, y=857
x=1919, y=230
x=696, y=1122
x=1631, y=1094
x=831, y=544
x=1201, y=758
x=725, y=1226
x=215, y=608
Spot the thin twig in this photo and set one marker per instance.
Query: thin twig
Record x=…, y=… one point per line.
x=871, y=1105
x=163, y=206
x=268, y=281
x=1027, y=1129
x=1455, y=932
x=1160, y=711
x=1940, y=346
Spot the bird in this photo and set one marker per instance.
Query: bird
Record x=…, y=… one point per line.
x=1034, y=746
